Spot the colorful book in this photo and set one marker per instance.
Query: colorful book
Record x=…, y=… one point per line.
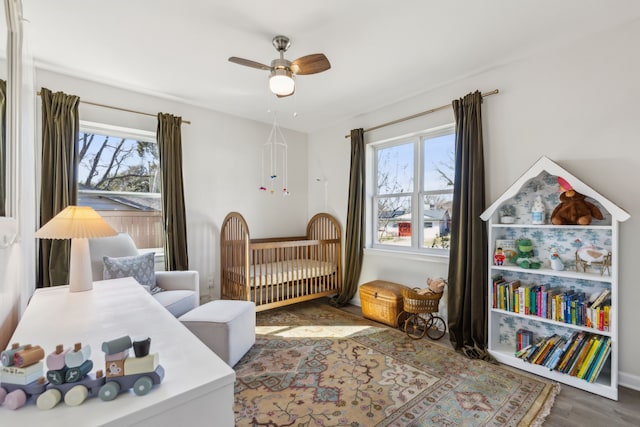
x=551, y=344
x=604, y=354
x=588, y=361
x=560, y=350
x=579, y=360
x=567, y=357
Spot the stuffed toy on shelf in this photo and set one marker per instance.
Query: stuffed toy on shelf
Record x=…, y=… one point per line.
x=573, y=209
x=524, y=256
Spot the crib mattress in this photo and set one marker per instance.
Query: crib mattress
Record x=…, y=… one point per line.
x=286, y=271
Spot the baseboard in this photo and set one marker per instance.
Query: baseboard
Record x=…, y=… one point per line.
x=629, y=380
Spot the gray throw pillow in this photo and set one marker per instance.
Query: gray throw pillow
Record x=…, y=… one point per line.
x=140, y=267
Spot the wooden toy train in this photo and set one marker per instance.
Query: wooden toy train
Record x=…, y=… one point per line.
x=22, y=373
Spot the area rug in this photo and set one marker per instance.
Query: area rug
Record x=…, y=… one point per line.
x=315, y=365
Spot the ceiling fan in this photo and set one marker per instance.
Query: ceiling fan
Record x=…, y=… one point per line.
x=282, y=71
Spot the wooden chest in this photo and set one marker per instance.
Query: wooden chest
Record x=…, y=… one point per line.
x=381, y=301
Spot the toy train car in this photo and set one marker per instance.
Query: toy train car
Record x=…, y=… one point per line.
x=68, y=377
x=21, y=375
x=139, y=373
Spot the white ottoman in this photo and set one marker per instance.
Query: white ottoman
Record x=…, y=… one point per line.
x=228, y=327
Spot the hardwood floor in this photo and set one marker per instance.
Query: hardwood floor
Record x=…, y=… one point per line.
x=578, y=408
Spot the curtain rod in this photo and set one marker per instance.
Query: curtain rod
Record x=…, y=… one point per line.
x=422, y=113
x=187, y=122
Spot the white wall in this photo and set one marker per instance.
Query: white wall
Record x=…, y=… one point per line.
x=576, y=104
x=222, y=168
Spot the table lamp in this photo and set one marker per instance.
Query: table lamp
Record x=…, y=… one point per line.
x=78, y=223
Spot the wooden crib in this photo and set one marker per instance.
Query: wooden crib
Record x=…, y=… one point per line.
x=283, y=270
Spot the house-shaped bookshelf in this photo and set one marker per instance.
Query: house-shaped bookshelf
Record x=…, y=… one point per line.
x=554, y=304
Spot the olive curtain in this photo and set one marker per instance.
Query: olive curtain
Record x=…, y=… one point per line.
x=467, y=299
x=3, y=146
x=355, y=233
x=59, y=180
x=173, y=210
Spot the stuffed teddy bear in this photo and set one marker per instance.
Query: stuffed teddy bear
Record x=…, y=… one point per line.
x=524, y=256
x=574, y=209
x=434, y=286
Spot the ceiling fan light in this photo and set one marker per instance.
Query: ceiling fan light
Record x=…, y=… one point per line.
x=281, y=82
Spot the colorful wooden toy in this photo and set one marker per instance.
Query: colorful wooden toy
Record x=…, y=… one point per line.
x=21, y=375
x=137, y=373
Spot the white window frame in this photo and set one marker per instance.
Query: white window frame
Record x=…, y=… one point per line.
x=417, y=195
x=129, y=133
x=121, y=132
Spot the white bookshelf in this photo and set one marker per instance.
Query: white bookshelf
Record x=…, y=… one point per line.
x=541, y=179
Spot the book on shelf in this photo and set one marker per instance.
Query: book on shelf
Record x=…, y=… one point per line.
x=497, y=281
x=524, y=299
x=600, y=360
x=522, y=353
x=512, y=289
x=575, y=343
x=544, y=342
x=599, y=318
x=589, y=359
x=558, y=304
x=529, y=352
x=600, y=298
x=581, y=357
x=575, y=354
x=562, y=351
x=524, y=339
x=550, y=344
x=540, y=351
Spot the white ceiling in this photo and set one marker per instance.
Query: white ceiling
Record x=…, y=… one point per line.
x=381, y=51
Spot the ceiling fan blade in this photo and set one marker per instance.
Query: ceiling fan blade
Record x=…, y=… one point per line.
x=249, y=63
x=310, y=64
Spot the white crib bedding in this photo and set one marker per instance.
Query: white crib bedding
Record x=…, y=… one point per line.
x=286, y=271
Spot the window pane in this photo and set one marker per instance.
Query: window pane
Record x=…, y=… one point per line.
x=117, y=164
x=437, y=220
x=395, y=169
x=119, y=178
x=394, y=221
x=439, y=163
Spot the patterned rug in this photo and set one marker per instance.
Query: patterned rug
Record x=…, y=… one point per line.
x=315, y=365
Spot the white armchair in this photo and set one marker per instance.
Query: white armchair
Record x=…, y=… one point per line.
x=180, y=289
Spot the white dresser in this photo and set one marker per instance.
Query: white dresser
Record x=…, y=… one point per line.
x=197, y=387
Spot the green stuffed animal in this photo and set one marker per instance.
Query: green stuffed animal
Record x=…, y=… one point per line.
x=524, y=256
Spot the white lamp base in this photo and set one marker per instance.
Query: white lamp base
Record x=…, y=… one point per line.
x=80, y=278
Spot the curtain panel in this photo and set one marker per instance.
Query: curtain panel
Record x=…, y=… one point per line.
x=467, y=299
x=355, y=232
x=3, y=146
x=59, y=179
x=173, y=209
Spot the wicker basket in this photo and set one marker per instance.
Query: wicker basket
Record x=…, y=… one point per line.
x=420, y=303
x=382, y=301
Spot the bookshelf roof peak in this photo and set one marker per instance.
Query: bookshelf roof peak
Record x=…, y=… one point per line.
x=544, y=164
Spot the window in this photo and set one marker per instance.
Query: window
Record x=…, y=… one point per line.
x=119, y=176
x=414, y=178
